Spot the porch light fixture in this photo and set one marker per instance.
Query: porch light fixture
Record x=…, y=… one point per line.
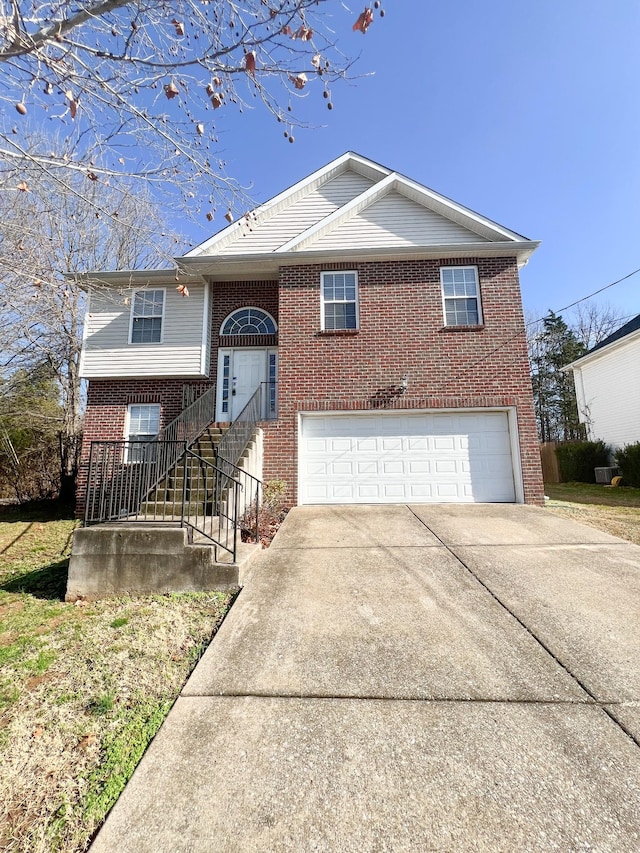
x=404, y=384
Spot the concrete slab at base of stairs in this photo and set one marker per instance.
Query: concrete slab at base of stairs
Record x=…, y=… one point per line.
x=504, y=524
x=254, y=774
x=368, y=623
x=355, y=526
x=581, y=601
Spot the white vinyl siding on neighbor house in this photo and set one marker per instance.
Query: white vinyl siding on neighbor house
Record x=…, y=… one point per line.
x=267, y=236
x=608, y=393
x=184, y=349
x=395, y=220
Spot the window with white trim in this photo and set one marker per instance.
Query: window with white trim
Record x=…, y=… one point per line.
x=249, y=321
x=147, y=311
x=461, y=296
x=143, y=426
x=339, y=296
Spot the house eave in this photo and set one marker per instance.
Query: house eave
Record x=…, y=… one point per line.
x=590, y=357
x=264, y=266
x=125, y=279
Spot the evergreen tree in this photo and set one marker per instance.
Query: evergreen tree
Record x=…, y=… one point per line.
x=552, y=347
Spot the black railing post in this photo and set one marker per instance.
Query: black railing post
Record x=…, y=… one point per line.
x=184, y=485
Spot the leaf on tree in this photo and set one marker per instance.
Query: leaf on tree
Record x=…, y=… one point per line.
x=228, y=216
x=250, y=62
x=182, y=289
x=48, y=88
x=21, y=109
x=171, y=90
x=22, y=186
x=299, y=80
x=179, y=27
x=286, y=31
x=216, y=99
x=209, y=216
x=303, y=33
x=315, y=60
x=92, y=176
x=200, y=129
x=364, y=21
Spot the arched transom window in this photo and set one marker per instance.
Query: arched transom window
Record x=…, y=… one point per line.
x=249, y=321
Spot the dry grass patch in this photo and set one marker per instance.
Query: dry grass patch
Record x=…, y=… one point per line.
x=83, y=688
x=613, y=510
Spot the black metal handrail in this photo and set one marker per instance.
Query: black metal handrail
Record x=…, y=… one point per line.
x=260, y=406
x=196, y=493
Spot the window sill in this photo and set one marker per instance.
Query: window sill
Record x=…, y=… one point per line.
x=476, y=328
x=340, y=332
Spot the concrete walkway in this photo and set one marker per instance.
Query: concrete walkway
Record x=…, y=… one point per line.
x=408, y=678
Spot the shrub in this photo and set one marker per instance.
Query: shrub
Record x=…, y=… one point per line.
x=629, y=461
x=579, y=459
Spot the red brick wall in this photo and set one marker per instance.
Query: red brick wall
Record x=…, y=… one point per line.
x=401, y=333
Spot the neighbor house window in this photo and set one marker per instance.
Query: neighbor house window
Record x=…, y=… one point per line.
x=339, y=300
x=147, y=311
x=143, y=426
x=461, y=296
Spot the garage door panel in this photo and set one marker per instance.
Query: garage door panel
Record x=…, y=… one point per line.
x=457, y=457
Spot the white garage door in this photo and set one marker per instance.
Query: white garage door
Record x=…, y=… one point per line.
x=412, y=458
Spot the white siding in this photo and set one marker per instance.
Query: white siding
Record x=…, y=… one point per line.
x=282, y=227
x=608, y=391
x=395, y=220
x=108, y=353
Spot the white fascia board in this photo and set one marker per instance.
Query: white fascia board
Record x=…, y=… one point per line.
x=264, y=266
x=579, y=363
x=135, y=278
x=339, y=216
x=290, y=196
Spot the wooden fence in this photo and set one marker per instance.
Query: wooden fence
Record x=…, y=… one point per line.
x=550, y=467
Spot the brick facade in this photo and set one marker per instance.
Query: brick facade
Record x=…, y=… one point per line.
x=401, y=334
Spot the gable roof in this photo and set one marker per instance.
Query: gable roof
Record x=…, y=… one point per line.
x=357, y=208
x=632, y=326
x=630, y=329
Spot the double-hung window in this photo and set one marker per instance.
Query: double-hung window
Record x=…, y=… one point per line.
x=147, y=312
x=143, y=426
x=461, y=296
x=339, y=300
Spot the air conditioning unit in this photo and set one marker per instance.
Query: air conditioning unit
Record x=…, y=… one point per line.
x=606, y=475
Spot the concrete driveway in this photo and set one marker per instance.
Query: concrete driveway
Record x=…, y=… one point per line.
x=450, y=678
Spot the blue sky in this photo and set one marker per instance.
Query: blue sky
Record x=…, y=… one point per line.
x=526, y=113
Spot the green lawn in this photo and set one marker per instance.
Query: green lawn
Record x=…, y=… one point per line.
x=83, y=687
x=589, y=493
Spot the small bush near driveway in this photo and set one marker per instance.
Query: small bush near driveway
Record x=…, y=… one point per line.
x=628, y=458
x=83, y=688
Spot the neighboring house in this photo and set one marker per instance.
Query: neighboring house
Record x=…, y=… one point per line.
x=383, y=320
x=607, y=381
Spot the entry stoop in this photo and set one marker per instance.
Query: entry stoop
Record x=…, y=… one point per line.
x=139, y=559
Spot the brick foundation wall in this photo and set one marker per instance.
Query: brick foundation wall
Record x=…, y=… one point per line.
x=401, y=334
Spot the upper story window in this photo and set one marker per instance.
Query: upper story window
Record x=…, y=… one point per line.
x=461, y=296
x=249, y=321
x=147, y=312
x=143, y=425
x=339, y=295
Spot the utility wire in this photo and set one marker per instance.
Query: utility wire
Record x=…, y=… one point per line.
x=539, y=319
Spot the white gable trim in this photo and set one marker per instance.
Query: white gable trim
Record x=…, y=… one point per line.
x=428, y=199
x=341, y=215
x=289, y=196
x=579, y=363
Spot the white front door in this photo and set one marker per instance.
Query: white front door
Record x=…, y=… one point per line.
x=240, y=372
